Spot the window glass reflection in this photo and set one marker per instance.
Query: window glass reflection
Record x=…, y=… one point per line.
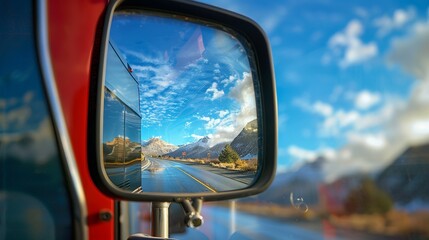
x=133, y=154
x=119, y=79
x=121, y=146
x=114, y=139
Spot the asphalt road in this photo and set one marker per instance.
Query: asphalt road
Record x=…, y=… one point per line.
x=169, y=176
x=226, y=223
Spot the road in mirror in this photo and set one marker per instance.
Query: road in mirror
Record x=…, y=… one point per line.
x=180, y=109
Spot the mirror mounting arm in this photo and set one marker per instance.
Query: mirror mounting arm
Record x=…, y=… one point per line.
x=193, y=216
x=160, y=219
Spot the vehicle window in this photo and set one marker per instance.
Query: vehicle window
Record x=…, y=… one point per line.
x=122, y=124
x=353, y=162
x=121, y=143
x=34, y=198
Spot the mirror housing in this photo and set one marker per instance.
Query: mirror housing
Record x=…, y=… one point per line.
x=267, y=107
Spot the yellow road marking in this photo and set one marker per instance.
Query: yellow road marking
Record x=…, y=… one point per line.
x=196, y=179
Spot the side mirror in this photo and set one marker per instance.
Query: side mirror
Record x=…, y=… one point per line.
x=185, y=104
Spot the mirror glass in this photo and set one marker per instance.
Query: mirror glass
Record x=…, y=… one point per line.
x=180, y=109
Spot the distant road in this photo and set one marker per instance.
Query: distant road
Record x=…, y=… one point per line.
x=225, y=223
x=169, y=176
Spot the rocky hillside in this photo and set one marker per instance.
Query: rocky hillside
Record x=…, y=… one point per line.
x=246, y=143
x=156, y=147
x=405, y=177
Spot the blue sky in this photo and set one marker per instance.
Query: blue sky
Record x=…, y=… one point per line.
x=347, y=73
x=195, y=81
x=350, y=78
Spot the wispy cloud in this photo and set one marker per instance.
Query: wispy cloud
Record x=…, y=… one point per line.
x=318, y=107
x=215, y=93
x=366, y=99
x=227, y=124
x=19, y=111
x=271, y=21
x=348, y=46
x=373, y=139
x=223, y=113
x=399, y=19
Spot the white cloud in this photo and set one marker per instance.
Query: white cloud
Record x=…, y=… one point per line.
x=204, y=118
x=243, y=92
x=366, y=99
x=188, y=124
x=323, y=108
x=348, y=44
x=318, y=107
x=213, y=123
x=400, y=17
x=375, y=139
x=196, y=137
x=231, y=122
x=273, y=20
x=39, y=143
x=381, y=116
x=144, y=58
x=420, y=127
x=228, y=81
x=412, y=53
x=17, y=116
x=223, y=113
x=309, y=155
x=216, y=93
x=300, y=153
x=333, y=125
x=361, y=12
x=337, y=121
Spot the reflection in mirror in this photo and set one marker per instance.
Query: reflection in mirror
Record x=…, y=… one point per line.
x=179, y=106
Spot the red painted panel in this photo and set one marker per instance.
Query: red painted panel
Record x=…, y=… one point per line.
x=72, y=28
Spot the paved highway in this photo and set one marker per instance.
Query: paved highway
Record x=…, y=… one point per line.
x=169, y=176
x=225, y=223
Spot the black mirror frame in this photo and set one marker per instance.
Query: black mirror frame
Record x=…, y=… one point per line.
x=263, y=60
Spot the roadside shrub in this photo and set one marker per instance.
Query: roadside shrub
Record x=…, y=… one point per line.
x=247, y=165
x=367, y=198
x=228, y=155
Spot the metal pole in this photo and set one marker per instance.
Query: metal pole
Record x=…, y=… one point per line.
x=160, y=219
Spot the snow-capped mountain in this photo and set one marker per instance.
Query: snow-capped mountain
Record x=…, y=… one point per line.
x=197, y=149
x=245, y=144
x=156, y=146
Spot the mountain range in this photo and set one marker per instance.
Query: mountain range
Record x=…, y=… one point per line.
x=156, y=147
x=404, y=180
x=245, y=144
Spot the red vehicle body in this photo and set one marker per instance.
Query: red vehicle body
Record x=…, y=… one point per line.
x=71, y=42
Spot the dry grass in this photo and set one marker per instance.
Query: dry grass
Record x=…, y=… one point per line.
x=247, y=165
x=278, y=211
x=240, y=165
x=395, y=223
